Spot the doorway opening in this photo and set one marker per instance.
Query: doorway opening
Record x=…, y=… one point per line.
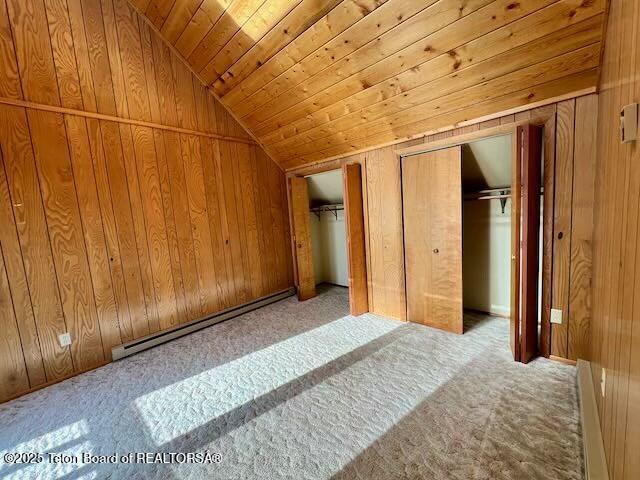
x=486, y=228
x=328, y=233
x=472, y=231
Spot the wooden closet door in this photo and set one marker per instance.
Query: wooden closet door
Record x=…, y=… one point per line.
x=530, y=160
x=516, y=204
x=356, y=251
x=302, y=238
x=432, y=211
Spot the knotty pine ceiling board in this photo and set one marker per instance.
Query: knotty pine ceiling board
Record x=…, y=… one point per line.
x=316, y=79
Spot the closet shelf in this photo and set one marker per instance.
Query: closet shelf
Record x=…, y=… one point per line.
x=327, y=208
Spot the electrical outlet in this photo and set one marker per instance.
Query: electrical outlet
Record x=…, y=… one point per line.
x=603, y=381
x=556, y=315
x=64, y=339
x=629, y=123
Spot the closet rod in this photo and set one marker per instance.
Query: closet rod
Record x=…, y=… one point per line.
x=327, y=208
x=493, y=190
x=488, y=197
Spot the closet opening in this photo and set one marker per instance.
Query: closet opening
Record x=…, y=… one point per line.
x=327, y=214
x=328, y=234
x=472, y=225
x=486, y=230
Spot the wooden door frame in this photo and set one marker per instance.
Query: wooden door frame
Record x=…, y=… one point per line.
x=313, y=170
x=548, y=122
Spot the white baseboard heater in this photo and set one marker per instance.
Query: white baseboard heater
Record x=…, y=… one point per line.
x=595, y=461
x=164, y=336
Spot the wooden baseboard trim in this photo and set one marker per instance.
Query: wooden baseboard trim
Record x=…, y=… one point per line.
x=568, y=361
x=484, y=312
x=53, y=382
x=595, y=462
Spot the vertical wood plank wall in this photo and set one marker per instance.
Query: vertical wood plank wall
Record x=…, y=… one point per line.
x=111, y=231
x=615, y=336
x=570, y=130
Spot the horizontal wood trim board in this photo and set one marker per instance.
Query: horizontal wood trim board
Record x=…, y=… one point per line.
x=317, y=166
x=128, y=121
x=460, y=139
x=410, y=122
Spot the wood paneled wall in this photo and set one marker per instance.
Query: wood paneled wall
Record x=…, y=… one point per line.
x=570, y=130
x=615, y=335
x=112, y=228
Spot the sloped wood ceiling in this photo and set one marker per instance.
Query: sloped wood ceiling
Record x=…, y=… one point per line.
x=314, y=79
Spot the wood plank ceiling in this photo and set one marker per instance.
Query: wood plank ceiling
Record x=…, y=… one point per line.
x=316, y=79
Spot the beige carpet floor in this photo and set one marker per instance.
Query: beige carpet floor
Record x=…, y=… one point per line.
x=305, y=391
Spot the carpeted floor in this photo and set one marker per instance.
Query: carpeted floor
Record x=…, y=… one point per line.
x=305, y=391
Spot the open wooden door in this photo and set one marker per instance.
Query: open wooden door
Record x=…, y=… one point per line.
x=356, y=254
x=530, y=159
x=302, y=238
x=516, y=181
x=432, y=212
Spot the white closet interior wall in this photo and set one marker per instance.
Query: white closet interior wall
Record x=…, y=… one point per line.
x=328, y=236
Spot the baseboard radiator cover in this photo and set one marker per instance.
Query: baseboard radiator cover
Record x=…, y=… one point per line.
x=158, y=338
x=595, y=462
